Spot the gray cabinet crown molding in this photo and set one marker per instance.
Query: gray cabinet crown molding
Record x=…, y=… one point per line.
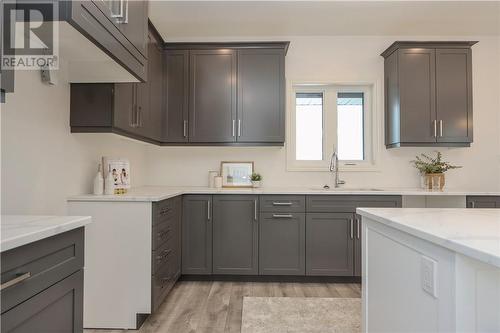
x=228, y=45
x=427, y=45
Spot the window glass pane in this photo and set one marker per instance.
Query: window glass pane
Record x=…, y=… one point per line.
x=350, y=140
x=309, y=126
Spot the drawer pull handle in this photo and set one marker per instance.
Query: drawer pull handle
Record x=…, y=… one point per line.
x=282, y=203
x=163, y=233
x=18, y=279
x=164, y=255
x=164, y=211
x=282, y=216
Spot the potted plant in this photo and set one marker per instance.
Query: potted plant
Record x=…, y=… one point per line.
x=432, y=170
x=256, y=179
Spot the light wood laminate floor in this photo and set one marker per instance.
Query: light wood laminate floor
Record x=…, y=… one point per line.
x=215, y=306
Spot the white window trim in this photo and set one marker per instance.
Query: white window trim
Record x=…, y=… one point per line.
x=372, y=130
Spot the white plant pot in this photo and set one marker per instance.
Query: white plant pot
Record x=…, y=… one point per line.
x=256, y=183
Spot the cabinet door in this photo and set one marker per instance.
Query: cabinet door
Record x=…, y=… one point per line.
x=176, y=93
x=417, y=89
x=135, y=26
x=235, y=238
x=329, y=244
x=58, y=308
x=357, y=245
x=261, y=73
x=282, y=239
x=454, y=95
x=483, y=202
x=125, y=115
x=143, y=120
x=197, y=234
x=212, y=101
x=155, y=86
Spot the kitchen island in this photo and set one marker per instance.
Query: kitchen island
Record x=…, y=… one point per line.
x=42, y=273
x=434, y=270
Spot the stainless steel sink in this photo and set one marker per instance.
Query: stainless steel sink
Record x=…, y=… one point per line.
x=345, y=189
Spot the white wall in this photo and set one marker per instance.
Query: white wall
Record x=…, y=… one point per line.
x=42, y=162
x=355, y=59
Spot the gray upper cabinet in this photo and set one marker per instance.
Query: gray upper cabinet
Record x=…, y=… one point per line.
x=428, y=94
x=118, y=27
x=176, y=94
x=235, y=234
x=135, y=24
x=282, y=243
x=261, y=95
x=131, y=109
x=212, y=102
x=197, y=234
x=224, y=94
x=153, y=128
x=329, y=244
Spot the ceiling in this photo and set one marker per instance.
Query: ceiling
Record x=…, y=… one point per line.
x=185, y=20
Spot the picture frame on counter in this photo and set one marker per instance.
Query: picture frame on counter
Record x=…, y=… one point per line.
x=236, y=174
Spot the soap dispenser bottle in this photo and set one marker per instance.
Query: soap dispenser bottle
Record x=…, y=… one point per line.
x=98, y=182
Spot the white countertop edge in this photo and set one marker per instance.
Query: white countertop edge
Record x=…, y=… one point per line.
x=446, y=243
x=158, y=193
x=23, y=238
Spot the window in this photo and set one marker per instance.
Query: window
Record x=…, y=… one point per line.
x=327, y=116
x=309, y=126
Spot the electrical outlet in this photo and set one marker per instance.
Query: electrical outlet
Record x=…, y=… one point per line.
x=429, y=275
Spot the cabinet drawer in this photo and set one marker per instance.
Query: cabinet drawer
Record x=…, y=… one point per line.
x=43, y=263
x=282, y=203
x=163, y=256
x=165, y=209
x=58, y=308
x=161, y=284
x=163, y=232
x=349, y=203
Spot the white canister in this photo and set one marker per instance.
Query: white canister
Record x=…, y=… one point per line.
x=98, y=182
x=109, y=184
x=218, y=182
x=211, y=178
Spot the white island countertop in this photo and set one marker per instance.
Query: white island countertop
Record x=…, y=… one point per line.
x=19, y=230
x=158, y=193
x=472, y=232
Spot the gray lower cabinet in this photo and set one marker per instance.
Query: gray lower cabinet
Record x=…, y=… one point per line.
x=349, y=203
x=357, y=245
x=235, y=234
x=282, y=240
x=212, y=95
x=42, y=285
x=329, y=244
x=428, y=94
x=166, y=248
x=261, y=72
x=483, y=201
x=197, y=234
x=56, y=309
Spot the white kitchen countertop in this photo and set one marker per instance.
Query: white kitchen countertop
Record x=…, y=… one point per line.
x=471, y=232
x=158, y=193
x=19, y=230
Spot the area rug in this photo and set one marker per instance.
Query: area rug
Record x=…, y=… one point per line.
x=301, y=314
